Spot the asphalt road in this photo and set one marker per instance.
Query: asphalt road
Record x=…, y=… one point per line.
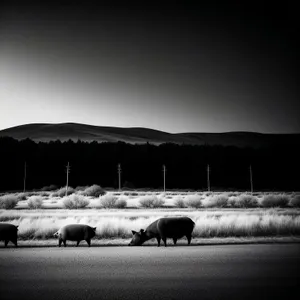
x=182, y=272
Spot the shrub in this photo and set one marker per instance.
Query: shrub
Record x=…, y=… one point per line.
x=243, y=201
x=151, y=201
x=295, y=201
x=108, y=201
x=275, y=200
x=179, y=202
x=131, y=194
x=147, y=201
x=8, y=201
x=193, y=201
x=80, y=188
x=94, y=191
x=35, y=202
x=51, y=187
x=121, y=203
x=75, y=202
x=158, y=202
x=215, y=201
x=62, y=192
x=22, y=196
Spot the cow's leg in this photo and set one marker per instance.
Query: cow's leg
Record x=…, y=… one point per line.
x=175, y=241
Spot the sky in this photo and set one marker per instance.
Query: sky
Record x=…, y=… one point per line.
x=174, y=67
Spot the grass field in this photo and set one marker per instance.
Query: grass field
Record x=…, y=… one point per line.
x=115, y=214
x=41, y=224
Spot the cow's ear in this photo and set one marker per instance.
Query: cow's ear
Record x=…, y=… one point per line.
x=142, y=231
x=133, y=232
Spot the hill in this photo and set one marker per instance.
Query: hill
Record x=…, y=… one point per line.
x=135, y=135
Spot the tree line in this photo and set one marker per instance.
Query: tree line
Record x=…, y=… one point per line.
x=142, y=165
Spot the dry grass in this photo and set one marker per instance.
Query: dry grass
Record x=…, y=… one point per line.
x=41, y=224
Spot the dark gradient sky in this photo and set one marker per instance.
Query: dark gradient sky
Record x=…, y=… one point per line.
x=173, y=67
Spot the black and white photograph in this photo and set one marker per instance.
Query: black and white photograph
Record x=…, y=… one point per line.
x=149, y=150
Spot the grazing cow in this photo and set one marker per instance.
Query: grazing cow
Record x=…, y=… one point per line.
x=75, y=232
x=8, y=232
x=164, y=228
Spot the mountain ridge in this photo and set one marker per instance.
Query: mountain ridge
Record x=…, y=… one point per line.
x=46, y=132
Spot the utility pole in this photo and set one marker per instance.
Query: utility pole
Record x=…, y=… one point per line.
x=164, y=171
x=67, y=171
x=208, y=180
x=251, y=180
x=119, y=175
x=24, y=179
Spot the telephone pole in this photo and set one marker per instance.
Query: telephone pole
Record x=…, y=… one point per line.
x=67, y=171
x=24, y=179
x=119, y=175
x=251, y=179
x=164, y=171
x=208, y=180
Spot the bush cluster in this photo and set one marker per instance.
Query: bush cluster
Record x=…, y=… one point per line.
x=22, y=196
x=275, y=200
x=193, y=201
x=151, y=201
x=111, y=201
x=243, y=201
x=35, y=202
x=94, y=191
x=179, y=202
x=215, y=201
x=62, y=192
x=8, y=201
x=295, y=201
x=50, y=187
x=75, y=201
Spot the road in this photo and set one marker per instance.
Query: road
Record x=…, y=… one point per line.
x=182, y=272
